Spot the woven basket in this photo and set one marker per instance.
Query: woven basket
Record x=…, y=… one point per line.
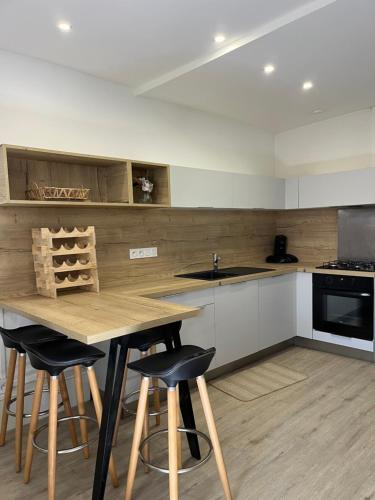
x=57, y=193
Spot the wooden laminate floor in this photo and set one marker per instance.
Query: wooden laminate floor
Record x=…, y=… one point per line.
x=314, y=440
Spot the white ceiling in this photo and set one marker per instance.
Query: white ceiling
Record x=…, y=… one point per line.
x=165, y=49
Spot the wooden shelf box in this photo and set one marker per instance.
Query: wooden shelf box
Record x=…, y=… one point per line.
x=109, y=179
x=158, y=174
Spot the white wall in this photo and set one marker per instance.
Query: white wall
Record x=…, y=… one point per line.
x=342, y=143
x=49, y=106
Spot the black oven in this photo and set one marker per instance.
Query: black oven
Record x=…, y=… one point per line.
x=344, y=305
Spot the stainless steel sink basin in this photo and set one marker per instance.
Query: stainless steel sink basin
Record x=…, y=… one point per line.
x=227, y=272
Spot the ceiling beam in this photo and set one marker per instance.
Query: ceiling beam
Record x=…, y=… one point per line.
x=256, y=34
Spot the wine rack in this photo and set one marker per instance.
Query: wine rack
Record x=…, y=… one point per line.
x=65, y=258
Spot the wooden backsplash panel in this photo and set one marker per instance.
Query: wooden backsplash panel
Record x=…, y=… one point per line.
x=185, y=240
x=312, y=234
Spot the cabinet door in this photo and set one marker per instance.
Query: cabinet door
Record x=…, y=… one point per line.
x=291, y=192
x=255, y=191
x=236, y=321
x=304, y=305
x=199, y=330
x=277, y=309
x=354, y=187
x=194, y=187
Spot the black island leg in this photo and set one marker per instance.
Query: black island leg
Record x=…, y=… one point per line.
x=113, y=383
x=186, y=405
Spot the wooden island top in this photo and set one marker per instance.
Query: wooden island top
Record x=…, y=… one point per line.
x=120, y=310
x=94, y=317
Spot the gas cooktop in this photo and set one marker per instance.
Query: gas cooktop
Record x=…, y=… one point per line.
x=349, y=265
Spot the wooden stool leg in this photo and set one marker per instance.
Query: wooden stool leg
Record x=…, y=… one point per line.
x=52, y=437
x=172, y=443
x=81, y=408
x=141, y=413
x=20, y=408
x=99, y=410
x=67, y=408
x=8, y=394
x=120, y=409
x=179, y=436
x=202, y=387
x=155, y=383
x=146, y=426
x=33, y=424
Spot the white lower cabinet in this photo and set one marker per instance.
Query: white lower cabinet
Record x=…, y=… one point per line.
x=277, y=309
x=304, y=305
x=236, y=321
x=199, y=330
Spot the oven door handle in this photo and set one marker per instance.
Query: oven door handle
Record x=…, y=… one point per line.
x=346, y=293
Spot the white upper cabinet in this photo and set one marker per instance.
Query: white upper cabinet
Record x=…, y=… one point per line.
x=193, y=187
x=291, y=192
x=256, y=191
x=354, y=187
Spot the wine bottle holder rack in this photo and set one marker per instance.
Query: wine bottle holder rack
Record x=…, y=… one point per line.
x=65, y=257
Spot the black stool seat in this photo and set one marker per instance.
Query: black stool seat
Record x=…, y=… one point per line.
x=54, y=357
x=32, y=334
x=187, y=362
x=145, y=339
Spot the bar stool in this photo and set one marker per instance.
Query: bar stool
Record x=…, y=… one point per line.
x=188, y=362
x=12, y=340
x=54, y=358
x=145, y=342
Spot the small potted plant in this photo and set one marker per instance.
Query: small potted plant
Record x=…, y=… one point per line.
x=146, y=187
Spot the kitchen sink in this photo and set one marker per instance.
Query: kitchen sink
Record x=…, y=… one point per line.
x=226, y=272
x=206, y=275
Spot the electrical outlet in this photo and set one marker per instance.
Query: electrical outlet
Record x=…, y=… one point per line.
x=133, y=253
x=143, y=253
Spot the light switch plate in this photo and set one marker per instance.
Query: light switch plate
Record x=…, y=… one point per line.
x=143, y=253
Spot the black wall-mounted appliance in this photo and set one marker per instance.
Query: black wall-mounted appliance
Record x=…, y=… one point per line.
x=344, y=305
x=280, y=256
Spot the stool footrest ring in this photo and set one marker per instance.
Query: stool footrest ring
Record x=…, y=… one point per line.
x=151, y=391
x=63, y=451
x=12, y=413
x=152, y=466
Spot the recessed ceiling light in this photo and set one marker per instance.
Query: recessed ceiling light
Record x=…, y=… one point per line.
x=308, y=85
x=219, y=38
x=64, y=26
x=268, y=69
x=317, y=111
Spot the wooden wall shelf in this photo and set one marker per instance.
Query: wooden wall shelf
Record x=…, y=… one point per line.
x=110, y=180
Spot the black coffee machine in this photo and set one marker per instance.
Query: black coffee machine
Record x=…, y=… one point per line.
x=280, y=256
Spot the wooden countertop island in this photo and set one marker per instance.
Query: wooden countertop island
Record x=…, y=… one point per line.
x=116, y=311
x=120, y=310
x=94, y=317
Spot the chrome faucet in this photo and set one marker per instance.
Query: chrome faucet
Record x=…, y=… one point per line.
x=215, y=261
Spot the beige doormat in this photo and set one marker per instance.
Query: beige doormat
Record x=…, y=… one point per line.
x=255, y=382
